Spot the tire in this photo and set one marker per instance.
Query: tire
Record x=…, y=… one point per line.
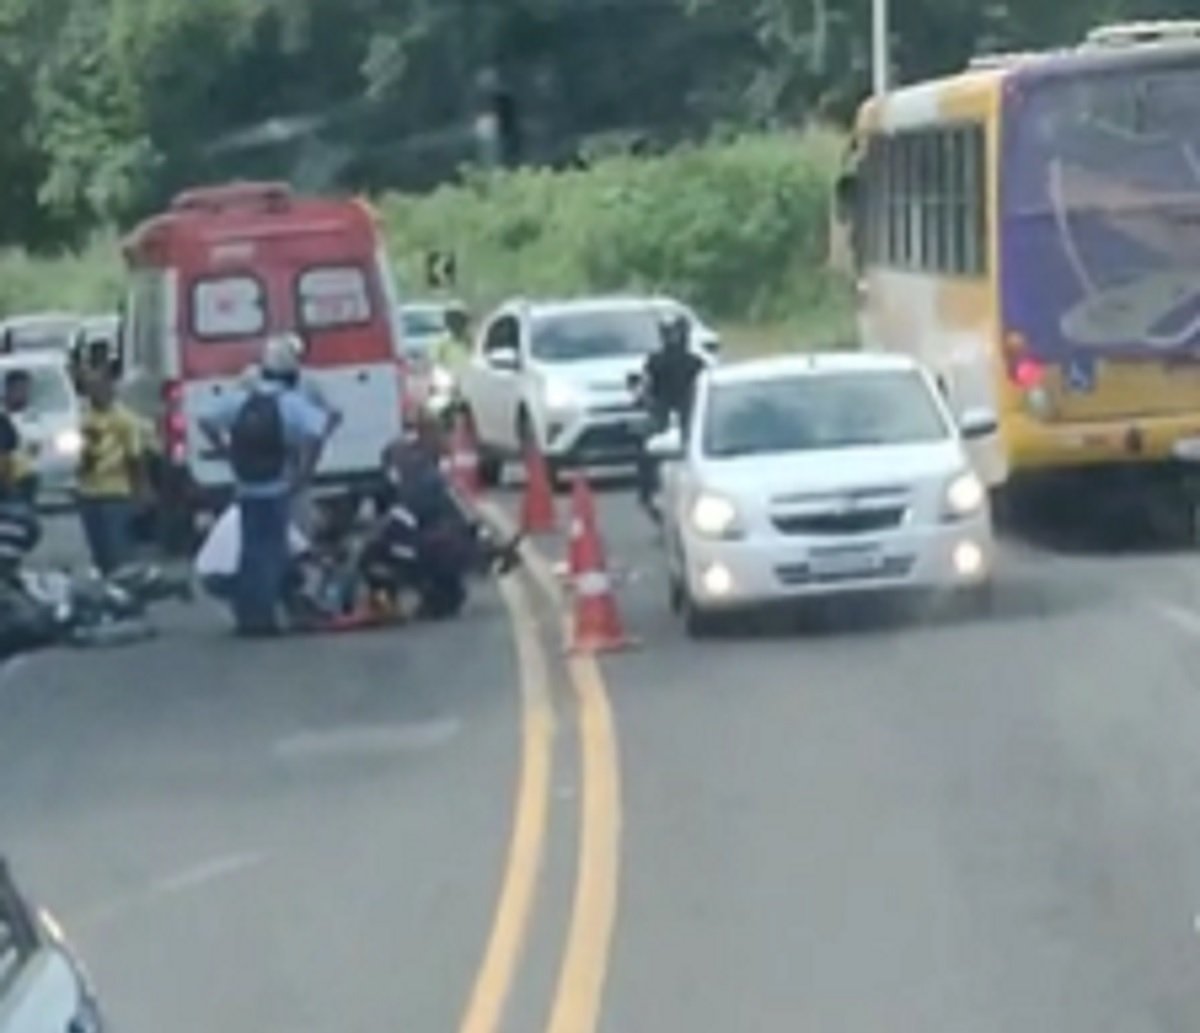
x=675, y=595
x=491, y=465
x=697, y=622
x=979, y=601
x=491, y=469
x=559, y=482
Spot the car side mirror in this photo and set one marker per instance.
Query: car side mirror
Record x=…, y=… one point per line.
x=978, y=423
x=506, y=360
x=667, y=444
x=711, y=346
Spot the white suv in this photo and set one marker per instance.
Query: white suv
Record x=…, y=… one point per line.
x=558, y=373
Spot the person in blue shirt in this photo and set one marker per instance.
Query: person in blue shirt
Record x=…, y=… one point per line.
x=272, y=437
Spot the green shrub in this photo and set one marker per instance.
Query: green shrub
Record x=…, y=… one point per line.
x=738, y=228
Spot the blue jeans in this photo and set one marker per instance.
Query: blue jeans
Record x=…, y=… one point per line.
x=263, y=563
x=107, y=524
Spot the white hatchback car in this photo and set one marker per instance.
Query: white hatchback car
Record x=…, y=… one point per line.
x=808, y=476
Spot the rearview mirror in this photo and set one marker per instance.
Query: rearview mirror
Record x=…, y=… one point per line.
x=505, y=359
x=667, y=444
x=978, y=423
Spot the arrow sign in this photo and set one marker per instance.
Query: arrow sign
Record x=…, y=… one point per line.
x=441, y=269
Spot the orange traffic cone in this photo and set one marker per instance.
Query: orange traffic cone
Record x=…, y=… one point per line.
x=583, y=514
x=537, y=506
x=597, y=627
x=464, y=460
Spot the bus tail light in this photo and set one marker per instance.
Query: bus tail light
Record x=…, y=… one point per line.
x=174, y=422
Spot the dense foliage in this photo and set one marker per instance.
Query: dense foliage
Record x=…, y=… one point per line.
x=739, y=228
x=110, y=105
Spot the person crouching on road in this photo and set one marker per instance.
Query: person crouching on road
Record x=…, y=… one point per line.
x=426, y=530
x=272, y=437
x=110, y=474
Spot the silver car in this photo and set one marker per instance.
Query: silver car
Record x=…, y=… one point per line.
x=43, y=986
x=38, y=332
x=49, y=425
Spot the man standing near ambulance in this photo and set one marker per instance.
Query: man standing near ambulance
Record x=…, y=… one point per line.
x=272, y=435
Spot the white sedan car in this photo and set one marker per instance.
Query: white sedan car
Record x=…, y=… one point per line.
x=808, y=476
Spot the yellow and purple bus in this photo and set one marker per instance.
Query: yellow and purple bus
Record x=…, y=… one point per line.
x=1030, y=228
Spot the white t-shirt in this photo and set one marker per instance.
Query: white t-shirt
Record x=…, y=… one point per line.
x=221, y=552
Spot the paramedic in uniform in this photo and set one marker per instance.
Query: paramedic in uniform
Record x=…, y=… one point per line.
x=272, y=436
x=303, y=508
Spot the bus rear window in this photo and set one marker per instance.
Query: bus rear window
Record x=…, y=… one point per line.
x=228, y=308
x=332, y=296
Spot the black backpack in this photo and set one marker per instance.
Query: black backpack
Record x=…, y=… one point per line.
x=257, y=444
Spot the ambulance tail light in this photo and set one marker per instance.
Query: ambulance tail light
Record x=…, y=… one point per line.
x=174, y=422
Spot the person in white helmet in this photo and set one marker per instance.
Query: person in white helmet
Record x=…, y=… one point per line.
x=271, y=434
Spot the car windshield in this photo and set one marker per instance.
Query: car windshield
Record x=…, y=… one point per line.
x=41, y=336
x=419, y=324
x=808, y=413
x=580, y=336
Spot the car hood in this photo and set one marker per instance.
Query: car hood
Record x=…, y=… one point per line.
x=40, y=426
x=794, y=475
x=600, y=376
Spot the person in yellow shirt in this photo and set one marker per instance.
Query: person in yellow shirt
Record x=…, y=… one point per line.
x=110, y=474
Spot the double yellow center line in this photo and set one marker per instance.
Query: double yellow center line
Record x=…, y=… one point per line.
x=580, y=986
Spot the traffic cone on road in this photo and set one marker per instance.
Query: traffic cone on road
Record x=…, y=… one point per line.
x=583, y=514
x=537, y=505
x=597, y=627
x=464, y=460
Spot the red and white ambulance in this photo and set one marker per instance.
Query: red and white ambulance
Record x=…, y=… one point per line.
x=216, y=274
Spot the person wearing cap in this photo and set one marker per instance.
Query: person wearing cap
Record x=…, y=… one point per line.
x=110, y=475
x=668, y=387
x=272, y=436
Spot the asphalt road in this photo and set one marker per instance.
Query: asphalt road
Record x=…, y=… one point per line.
x=863, y=821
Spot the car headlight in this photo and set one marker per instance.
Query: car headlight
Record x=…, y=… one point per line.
x=559, y=394
x=68, y=443
x=965, y=495
x=442, y=380
x=715, y=516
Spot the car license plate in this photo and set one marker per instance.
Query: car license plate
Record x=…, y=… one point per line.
x=1187, y=450
x=852, y=561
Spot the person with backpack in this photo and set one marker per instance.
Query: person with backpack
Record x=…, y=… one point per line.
x=272, y=436
x=110, y=474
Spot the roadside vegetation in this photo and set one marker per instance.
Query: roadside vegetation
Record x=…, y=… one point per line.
x=739, y=228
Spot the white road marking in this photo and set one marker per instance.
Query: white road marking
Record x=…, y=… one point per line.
x=1183, y=618
x=208, y=871
x=186, y=880
x=366, y=740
